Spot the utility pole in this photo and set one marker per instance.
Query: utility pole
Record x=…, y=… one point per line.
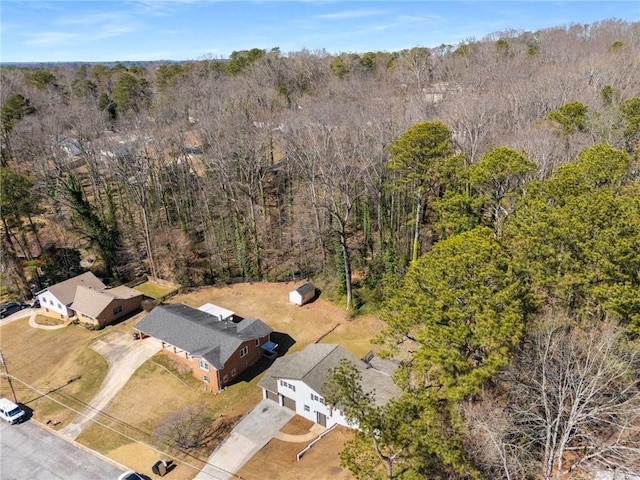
x=6, y=374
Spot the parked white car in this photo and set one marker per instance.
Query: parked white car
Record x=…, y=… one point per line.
x=10, y=412
x=130, y=476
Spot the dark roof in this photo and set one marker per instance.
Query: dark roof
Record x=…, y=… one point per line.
x=312, y=366
x=199, y=333
x=306, y=288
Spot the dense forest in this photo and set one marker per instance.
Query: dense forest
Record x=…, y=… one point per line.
x=484, y=198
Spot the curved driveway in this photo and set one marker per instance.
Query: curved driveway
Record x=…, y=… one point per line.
x=124, y=355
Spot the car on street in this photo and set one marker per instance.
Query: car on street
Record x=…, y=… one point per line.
x=10, y=412
x=130, y=476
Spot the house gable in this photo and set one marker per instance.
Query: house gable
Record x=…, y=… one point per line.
x=60, y=296
x=297, y=381
x=105, y=306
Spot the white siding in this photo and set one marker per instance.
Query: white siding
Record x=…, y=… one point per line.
x=49, y=301
x=295, y=297
x=302, y=396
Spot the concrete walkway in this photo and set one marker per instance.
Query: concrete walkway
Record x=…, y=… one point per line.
x=32, y=313
x=247, y=438
x=124, y=356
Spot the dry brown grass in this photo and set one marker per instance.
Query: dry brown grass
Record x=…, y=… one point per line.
x=297, y=426
x=278, y=460
x=150, y=396
x=48, y=321
x=270, y=303
x=46, y=360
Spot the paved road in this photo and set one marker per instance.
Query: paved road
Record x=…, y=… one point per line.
x=28, y=451
x=247, y=438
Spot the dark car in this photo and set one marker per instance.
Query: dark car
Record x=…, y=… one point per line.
x=11, y=308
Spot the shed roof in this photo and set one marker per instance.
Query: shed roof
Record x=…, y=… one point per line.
x=313, y=364
x=306, y=288
x=66, y=291
x=199, y=333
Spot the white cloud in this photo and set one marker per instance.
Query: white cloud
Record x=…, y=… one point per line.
x=91, y=19
x=51, y=38
x=349, y=14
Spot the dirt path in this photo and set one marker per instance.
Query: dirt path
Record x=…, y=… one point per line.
x=124, y=355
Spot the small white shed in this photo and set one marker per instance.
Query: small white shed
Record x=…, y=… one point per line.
x=303, y=294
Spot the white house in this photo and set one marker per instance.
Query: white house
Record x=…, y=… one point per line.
x=303, y=294
x=296, y=381
x=58, y=298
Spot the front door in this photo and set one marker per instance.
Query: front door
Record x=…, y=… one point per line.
x=322, y=419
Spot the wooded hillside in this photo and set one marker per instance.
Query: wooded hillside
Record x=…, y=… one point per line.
x=484, y=196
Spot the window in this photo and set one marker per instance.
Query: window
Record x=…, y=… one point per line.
x=306, y=408
x=317, y=398
x=288, y=385
x=233, y=372
x=203, y=365
x=59, y=306
x=225, y=379
x=117, y=310
x=205, y=379
x=257, y=342
x=244, y=351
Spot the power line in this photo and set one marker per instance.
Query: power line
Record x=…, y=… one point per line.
x=201, y=471
x=6, y=373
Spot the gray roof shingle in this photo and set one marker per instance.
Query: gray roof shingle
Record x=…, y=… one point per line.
x=313, y=364
x=199, y=333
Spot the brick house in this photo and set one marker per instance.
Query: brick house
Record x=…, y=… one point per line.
x=215, y=350
x=102, y=307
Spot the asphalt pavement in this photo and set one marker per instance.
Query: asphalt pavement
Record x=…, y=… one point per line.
x=29, y=451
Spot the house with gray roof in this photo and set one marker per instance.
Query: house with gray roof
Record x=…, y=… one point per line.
x=297, y=380
x=215, y=350
x=57, y=299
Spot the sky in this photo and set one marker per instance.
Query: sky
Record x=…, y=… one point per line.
x=146, y=30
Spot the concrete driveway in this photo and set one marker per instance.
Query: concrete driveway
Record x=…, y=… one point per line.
x=252, y=433
x=18, y=315
x=30, y=451
x=124, y=355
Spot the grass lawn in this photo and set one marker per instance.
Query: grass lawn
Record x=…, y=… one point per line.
x=57, y=362
x=49, y=358
x=278, y=460
x=153, y=290
x=158, y=389
x=270, y=303
x=48, y=321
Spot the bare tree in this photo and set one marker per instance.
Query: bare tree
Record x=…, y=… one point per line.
x=572, y=400
x=187, y=429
